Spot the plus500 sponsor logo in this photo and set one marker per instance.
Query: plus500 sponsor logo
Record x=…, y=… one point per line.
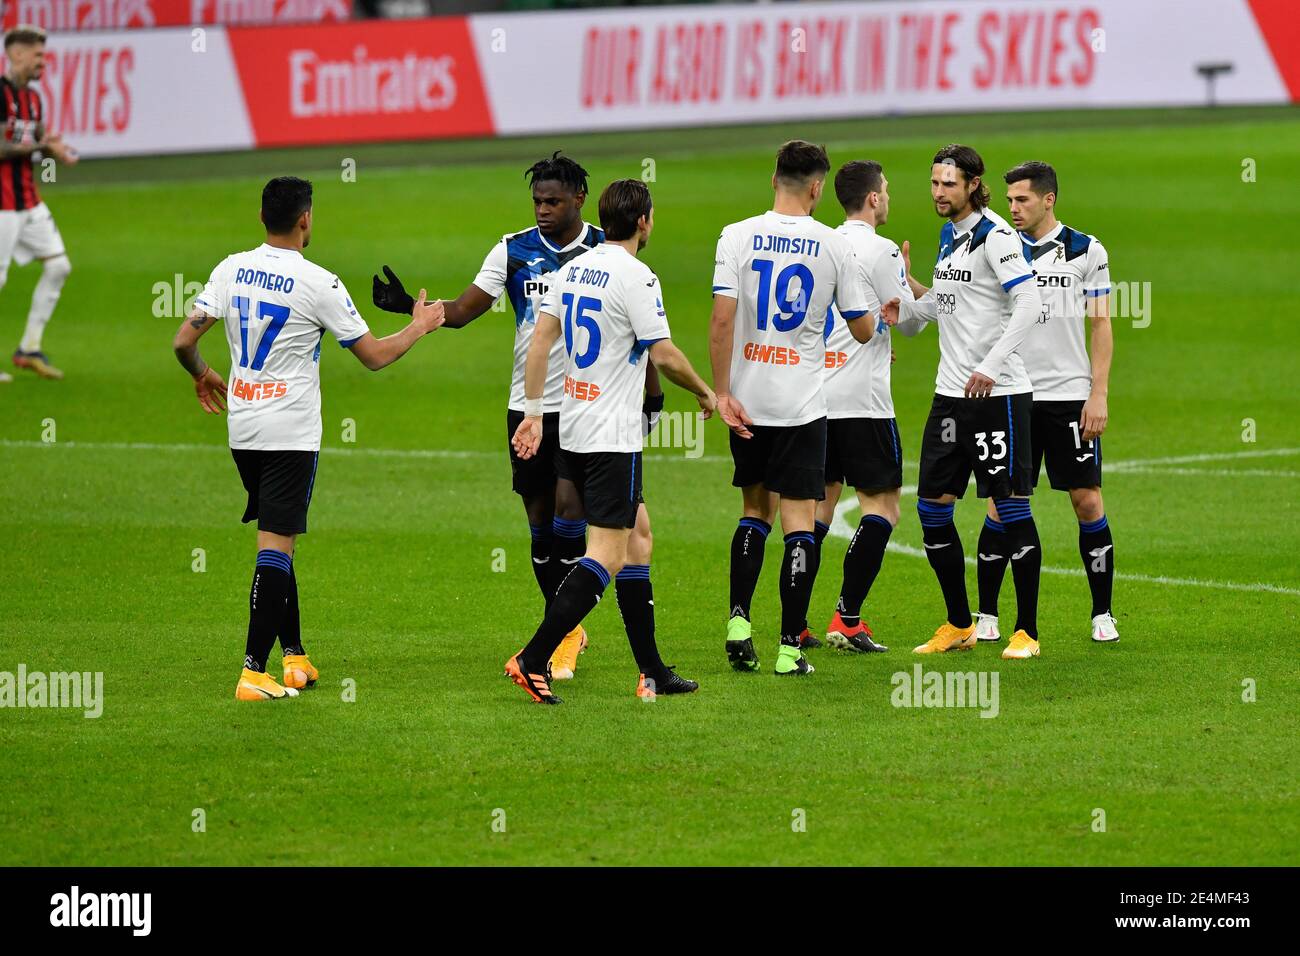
x=953, y=275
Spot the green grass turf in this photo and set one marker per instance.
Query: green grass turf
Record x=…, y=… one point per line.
x=399, y=594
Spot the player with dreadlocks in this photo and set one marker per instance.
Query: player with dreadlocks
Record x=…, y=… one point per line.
x=522, y=266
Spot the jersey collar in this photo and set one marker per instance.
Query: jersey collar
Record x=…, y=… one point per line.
x=861, y=224
x=967, y=224
x=582, y=234
x=1050, y=237
x=266, y=246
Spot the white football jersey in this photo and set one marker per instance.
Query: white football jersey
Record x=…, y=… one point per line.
x=857, y=374
x=611, y=309
x=522, y=266
x=784, y=272
x=980, y=261
x=1070, y=267
x=278, y=307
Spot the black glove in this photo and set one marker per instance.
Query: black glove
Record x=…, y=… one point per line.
x=391, y=297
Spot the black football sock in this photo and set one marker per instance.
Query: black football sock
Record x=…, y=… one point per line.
x=820, y=530
x=1096, y=547
x=1026, y=559
x=943, y=548
x=798, y=570
x=992, y=567
x=267, y=598
x=746, y=563
x=861, y=565
x=568, y=545
x=579, y=592
x=543, y=542
x=637, y=605
x=291, y=630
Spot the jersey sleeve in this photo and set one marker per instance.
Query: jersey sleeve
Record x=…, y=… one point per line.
x=726, y=266
x=1007, y=258
x=550, y=302
x=491, y=277
x=644, y=299
x=853, y=295
x=1097, y=280
x=888, y=278
x=212, y=300
x=335, y=311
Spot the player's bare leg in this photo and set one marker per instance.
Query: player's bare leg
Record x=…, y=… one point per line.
x=267, y=605
x=1097, y=549
x=54, y=272
x=578, y=594
x=879, y=516
x=636, y=604
x=758, y=511
x=798, y=571
x=944, y=551
x=569, y=543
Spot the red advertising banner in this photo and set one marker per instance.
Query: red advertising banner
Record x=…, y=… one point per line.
x=377, y=80
x=63, y=16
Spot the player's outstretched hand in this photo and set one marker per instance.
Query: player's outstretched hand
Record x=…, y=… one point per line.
x=978, y=386
x=430, y=315
x=734, y=414
x=527, y=438
x=211, y=391
x=391, y=297
x=889, y=312
x=708, y=403
x=1093, y=420
x=907, y=257
x=61, y=151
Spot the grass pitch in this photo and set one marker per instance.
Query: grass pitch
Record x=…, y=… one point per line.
x=400, y=595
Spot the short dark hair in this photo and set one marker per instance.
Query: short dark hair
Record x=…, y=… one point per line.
x=621, y=207
x=24, y=33
x=968, y=161
x=798, y=161
x=855, y=181
x=284, y=199
x=1041, y=176
x=559, y=168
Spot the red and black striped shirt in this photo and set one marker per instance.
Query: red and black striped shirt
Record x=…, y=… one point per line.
x=21, y=111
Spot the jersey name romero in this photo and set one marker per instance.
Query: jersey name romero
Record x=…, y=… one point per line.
x=980, y=261
x=522, y=265
x=611, y=309
x=784, y=272
x=1070, y=268
x=857, y=381
x=278, y=307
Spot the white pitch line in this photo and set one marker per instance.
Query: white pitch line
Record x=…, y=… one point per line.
x=1207, y=472
x=841, y=529
x=1137, y=464
x=1212, y=456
